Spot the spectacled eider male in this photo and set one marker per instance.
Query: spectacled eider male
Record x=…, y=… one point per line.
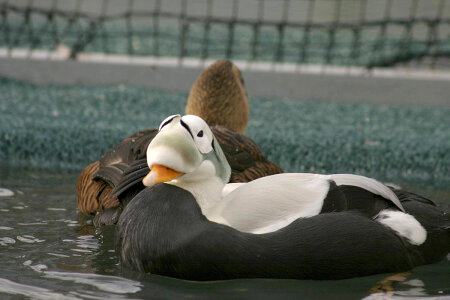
x=219, y=96
x=304, y=226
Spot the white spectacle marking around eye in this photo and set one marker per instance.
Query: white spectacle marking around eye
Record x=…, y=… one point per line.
x=201, y=133
x=167, y=121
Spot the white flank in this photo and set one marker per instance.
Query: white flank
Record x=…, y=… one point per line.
x=404, y=224
x=368, y=184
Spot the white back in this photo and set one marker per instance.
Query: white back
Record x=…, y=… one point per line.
x=272, y=202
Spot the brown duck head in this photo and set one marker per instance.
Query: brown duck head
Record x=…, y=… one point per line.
x=219, y=97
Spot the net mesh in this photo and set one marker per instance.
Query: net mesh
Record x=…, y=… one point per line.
x=69, y=127
x=365, y=33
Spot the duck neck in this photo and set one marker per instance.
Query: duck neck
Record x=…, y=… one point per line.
x=207, y=193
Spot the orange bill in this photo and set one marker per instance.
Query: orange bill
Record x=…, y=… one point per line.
x=160, y=173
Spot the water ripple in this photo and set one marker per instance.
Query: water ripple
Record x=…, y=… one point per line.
x=33, y=223
x=384, y=296
x=29, y=239
x=100, y=296
x=27, y=263
x=58, y=255
x=6, y=193
x=14, y=288
x=39, y=267
x=20, y=207
x=88, y=242
x=5, y=241
x=81, y=250
x=72, y=223
x=105, y=283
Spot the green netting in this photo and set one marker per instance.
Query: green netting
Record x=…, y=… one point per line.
x=383, y=40
x=69, y=127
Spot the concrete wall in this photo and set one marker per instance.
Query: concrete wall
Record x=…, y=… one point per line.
x=379, y=90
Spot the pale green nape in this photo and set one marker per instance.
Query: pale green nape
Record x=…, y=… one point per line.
x=217, y=157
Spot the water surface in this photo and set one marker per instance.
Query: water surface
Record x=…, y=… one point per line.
x=48, y=250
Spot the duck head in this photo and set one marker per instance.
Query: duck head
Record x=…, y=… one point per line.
x=219, y=97
x=186, y=153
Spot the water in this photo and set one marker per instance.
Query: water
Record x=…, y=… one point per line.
x=49, y=251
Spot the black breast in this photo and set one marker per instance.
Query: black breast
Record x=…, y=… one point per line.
x=163, y=231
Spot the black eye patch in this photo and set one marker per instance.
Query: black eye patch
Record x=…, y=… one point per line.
x=200, y=133
x=187, y=128
x=166, y=122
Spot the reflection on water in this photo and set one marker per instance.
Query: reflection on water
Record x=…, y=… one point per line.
x=105, y=283
x=48, y=250
x=6, y=193
x=14, y=288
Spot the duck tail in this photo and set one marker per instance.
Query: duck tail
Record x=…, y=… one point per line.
x=368, y=184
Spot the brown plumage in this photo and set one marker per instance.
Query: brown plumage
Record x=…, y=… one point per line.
x=116, y=177
x=93, y=195
x=244, y=156
x=219, y=97
x=97, y=181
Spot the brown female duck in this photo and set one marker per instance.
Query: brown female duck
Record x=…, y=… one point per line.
x=218, y=96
